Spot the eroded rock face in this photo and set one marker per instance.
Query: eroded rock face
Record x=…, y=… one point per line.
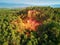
x=31, y=24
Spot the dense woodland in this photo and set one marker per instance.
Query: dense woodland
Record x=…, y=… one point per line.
x=13, y=32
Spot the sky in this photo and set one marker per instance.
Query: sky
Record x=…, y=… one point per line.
x=30, y=2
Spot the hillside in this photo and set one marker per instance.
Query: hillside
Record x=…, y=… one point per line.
x=30, y=26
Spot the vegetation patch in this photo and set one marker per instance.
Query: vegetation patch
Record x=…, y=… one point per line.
x=30, y=26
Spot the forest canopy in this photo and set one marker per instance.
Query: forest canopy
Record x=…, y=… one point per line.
x=30, y=26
